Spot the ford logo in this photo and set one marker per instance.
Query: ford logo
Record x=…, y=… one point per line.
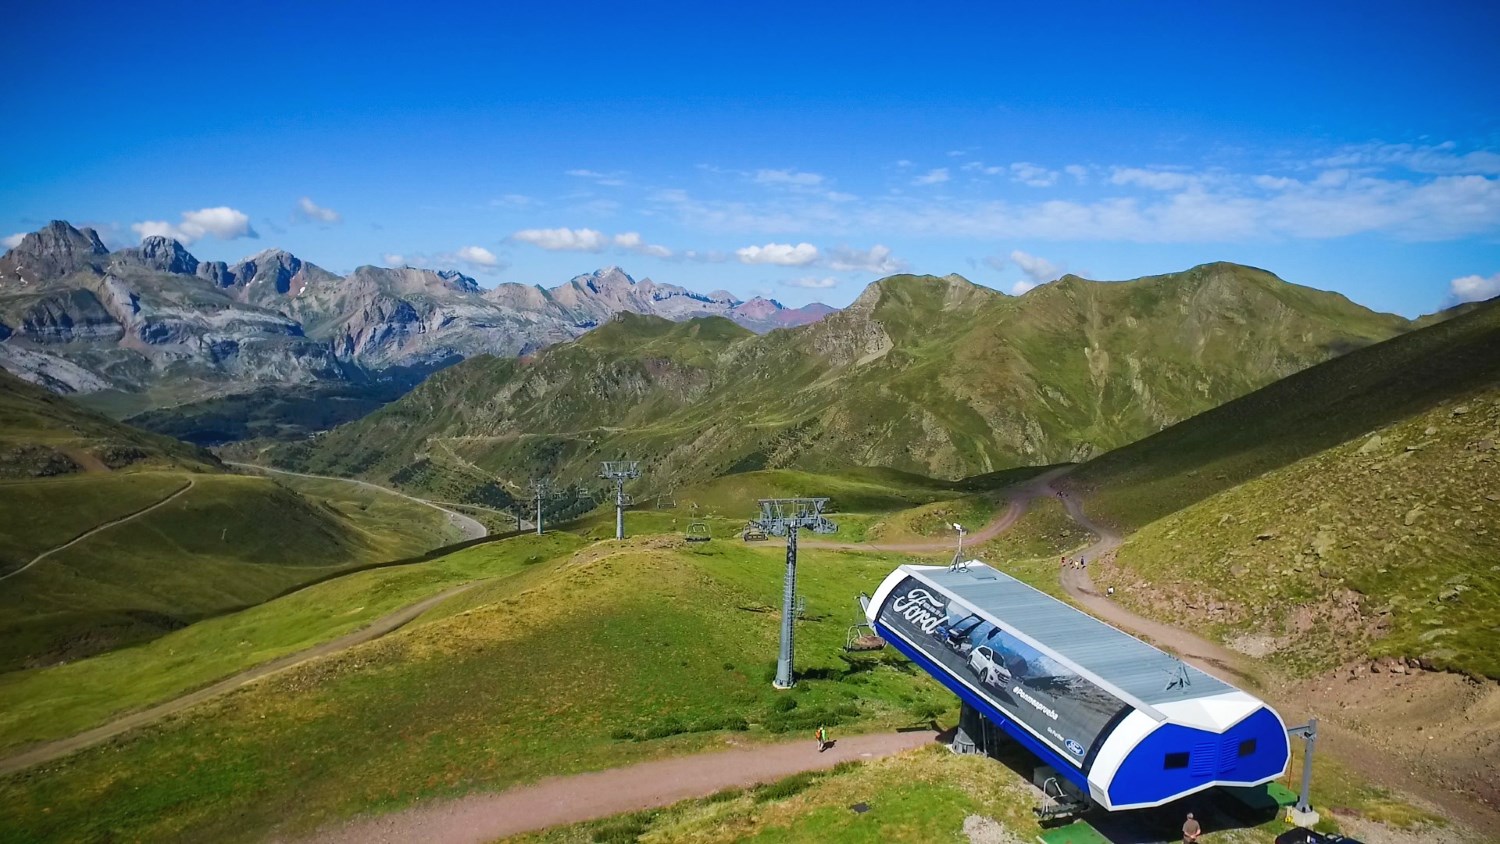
x=1075, y=748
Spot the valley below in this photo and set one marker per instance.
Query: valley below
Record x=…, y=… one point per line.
x=359, y=634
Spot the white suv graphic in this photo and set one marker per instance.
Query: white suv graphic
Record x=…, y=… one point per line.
x=988, y=667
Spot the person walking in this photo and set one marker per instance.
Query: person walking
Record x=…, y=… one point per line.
x=822, y=736
x=1191, y=831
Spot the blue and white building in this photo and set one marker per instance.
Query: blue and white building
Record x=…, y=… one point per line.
x=1129, y=725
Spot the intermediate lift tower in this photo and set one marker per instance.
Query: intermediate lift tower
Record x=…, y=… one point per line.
x=541, y=491
x=620, y=471
x=784, y=517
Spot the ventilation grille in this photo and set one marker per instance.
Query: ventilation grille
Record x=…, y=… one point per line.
x=1205, y=754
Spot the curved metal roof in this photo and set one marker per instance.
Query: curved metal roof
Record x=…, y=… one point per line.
x=1135, y=671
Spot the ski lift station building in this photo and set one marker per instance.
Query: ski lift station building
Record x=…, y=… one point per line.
x=1127, y=724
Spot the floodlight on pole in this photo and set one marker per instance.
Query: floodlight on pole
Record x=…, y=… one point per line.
x=959, y=563
x=620, y=471
x=784, y=517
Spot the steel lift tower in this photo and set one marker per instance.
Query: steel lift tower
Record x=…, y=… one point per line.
x=541, y=490
x=620, y=471
x=784, y=517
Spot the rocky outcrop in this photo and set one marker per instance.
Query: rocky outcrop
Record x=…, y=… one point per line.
x=54, y=251
x=594, y=297
x=157, y=254
x=154, y=311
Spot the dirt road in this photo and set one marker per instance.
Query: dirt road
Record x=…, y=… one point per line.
x=1353, y=751
x=380, y=627
x=1019, y=498
x=106, y=526
x=470, y=527
x=601, y=794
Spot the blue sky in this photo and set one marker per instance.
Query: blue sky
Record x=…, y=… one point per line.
x=793, y=150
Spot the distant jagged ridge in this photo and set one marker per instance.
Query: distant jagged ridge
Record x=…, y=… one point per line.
x=76, y=317
x=931, y=375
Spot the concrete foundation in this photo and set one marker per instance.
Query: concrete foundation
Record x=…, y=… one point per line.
x=1306, y=820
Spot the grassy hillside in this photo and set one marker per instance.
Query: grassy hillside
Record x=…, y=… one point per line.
x=43, y=435
x=1296, y=417
x=58, y=701
x=564, y=658
x=636, y=651
x=228, y=542
x=934, y=376
x=1385, y=546
x=190, y=540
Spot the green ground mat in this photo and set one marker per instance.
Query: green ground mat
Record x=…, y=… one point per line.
x=1270, y=796
x=1077, y=832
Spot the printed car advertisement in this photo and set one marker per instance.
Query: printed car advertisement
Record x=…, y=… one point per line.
x=1059, y=707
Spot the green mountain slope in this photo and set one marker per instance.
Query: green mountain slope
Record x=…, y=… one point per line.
x=1387, y=545
x=1348, y=511
x=163, y=535
x=43, y=434
x=1294, y=418
x=935, y=376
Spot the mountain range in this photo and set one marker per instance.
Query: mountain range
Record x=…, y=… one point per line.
x=154, y=320
x=934, y=375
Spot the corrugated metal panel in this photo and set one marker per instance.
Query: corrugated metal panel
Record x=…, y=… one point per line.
x=1077, y=639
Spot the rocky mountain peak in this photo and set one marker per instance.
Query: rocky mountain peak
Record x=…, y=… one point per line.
x=160, y=254
x=458, y=281
x=55, y=250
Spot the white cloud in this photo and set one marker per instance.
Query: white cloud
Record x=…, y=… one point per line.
x=812, y=282
x=612, y=180
x=1274, y=183
x=788, y=177
x=563, y=239
x=14, y=240
x=310, y=210
x=1441, y=158
x=1033, y=175
x=1079, y=173
x=1038, y=269
x=1474, y=288
x=935, y=176
x=1162, y=180
x=1022, y=287
x=478, y=256
x=784, y=254
x=1213, y=207
x=393, y=259
x=635, y=243
x=222, y=222
x=877, y=260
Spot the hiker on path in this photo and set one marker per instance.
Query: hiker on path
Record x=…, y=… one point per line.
x=822, y=735
x=1191, y=830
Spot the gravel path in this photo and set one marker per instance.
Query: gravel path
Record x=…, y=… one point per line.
x=1019, y=499
x=38, y=754
x=470, y=527
x=1353, y=751
x=601, y=794
x=106, y=526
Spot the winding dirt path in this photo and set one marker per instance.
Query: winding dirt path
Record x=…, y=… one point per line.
x=1352, y=750
x=471, y=527
x=584, y=797
x=38, y=754
x=106, y=526
x=1019, y=498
